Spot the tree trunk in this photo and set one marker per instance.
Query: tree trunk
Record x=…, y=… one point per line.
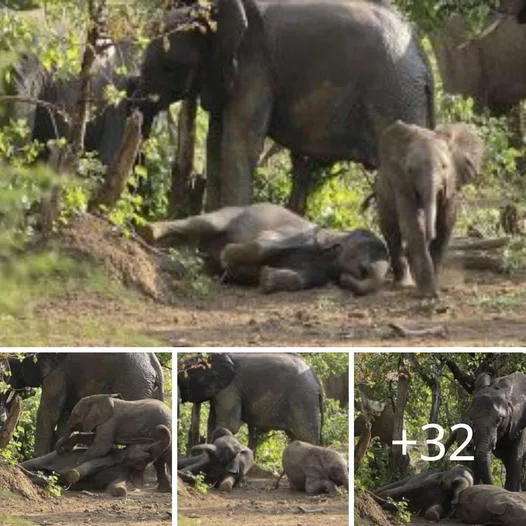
x=399, y=465
x=186, y=194
x=516, y=125
x=8, y=428
x=119, y=170
x=195, y=426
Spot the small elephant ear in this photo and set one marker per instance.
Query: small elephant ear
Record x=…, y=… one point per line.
x=467, y=150
x=99, y=411
x=232, y=24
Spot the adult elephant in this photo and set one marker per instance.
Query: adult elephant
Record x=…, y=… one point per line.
x=497, y=415
x=266, y=391
x=65, y=378
x=321, y=77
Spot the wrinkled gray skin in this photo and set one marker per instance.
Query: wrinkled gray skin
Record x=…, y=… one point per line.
x=267, y=244
x=314, y=469
x=117, y=471
x=421, y=173
x=265, y=391
x=322, y=78
x=491, y=505
x=67, y=377
x=497, y=415
x=117, y=421
x=225, y=461
x=433, y=494
x=104, y=131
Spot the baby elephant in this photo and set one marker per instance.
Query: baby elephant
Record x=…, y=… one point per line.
x=421, y=172
x=431, y=493
x=267, y=245
x=486, y=504
x=117, y=421
x=225, y=461
x=314, y=469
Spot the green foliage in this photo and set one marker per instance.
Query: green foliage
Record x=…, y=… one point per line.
x=196, y=281
x=402, y=510
x=200, y=485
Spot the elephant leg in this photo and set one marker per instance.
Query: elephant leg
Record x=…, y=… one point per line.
x=162, y=478
x=213, y=154
x=434, y=513
x=393, y=237
x=302, y=182
x=412, y=225
x=446, y=217
x=513, y=464
x=103, y=441
x=314, y=486
x=118, y=487
x=245, y=124
x=72, y=476
x=281, y=279
x=49, y=412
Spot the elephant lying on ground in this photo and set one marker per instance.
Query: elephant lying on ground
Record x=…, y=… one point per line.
x=117, y=471
x=314, y=469
x=421, y=172
x=491, y=505
x=322, y=78
x=67, y=377
x=432, y=494
x=264, y=390
x=117, y=421
x=270, y=245
x=225, y=461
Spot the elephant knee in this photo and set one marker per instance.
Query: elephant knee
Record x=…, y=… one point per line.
x=434, y=513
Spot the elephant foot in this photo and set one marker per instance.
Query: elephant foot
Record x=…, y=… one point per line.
x=118, y=489
x=273, y=280
x=239, y=254
x=164, y=487
x=72, y=476
x=227, y=484
x=433, y=513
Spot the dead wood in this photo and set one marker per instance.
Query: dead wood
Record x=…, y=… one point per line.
x=405, y=332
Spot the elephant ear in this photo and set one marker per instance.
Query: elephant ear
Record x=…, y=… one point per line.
x=232, y=24
x=99, y=411
x=393, y=146
x=200, y=378
x=482, y=380
x=467, y=150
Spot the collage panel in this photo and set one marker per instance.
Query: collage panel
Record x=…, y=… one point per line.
x=263, y=438
x=440, y=436
x=86, y=438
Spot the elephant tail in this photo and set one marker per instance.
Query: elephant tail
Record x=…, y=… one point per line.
x=276, y=485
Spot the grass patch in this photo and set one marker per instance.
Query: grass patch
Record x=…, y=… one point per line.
x=11, y=520
x=507, y=300
x=183, y=521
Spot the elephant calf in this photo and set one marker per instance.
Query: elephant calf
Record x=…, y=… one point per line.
x=486, y=504
x=314, y=469
x=116, y=471
x=421, y=172
x=267, y=244
x=117, y=421
x=225, y=461
x=432, y=493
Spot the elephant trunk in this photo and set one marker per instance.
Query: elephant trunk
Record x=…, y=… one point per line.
x=430, y=213
x=482, y=467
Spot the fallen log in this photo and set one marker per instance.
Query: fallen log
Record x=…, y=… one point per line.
x=467, y=243
x=494, y=264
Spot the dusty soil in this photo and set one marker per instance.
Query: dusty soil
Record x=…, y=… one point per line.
x=21, y=503
x=259, y=504
x=476, y=308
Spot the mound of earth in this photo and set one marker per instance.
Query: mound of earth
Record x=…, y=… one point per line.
x=128, y=260
x=14, y=482
x=367, y=511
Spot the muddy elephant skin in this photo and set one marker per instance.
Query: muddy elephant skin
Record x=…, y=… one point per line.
x=117, y=471
x=497, y=415
x=225, y=461
x=314, y=469
x=321, y=78
x=67, y=377
x=491, y=505
x=267, y=244
x=421, y=173
x=431, y=493
x=264, y=390
x=117, y=421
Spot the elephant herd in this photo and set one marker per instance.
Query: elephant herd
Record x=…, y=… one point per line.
x=364, y=92
x=497, y=416
x=95, y=428
x=265, y=391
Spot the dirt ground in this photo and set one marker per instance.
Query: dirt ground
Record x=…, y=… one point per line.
x=22, y=503
x=259, y=504
x=479, y=309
